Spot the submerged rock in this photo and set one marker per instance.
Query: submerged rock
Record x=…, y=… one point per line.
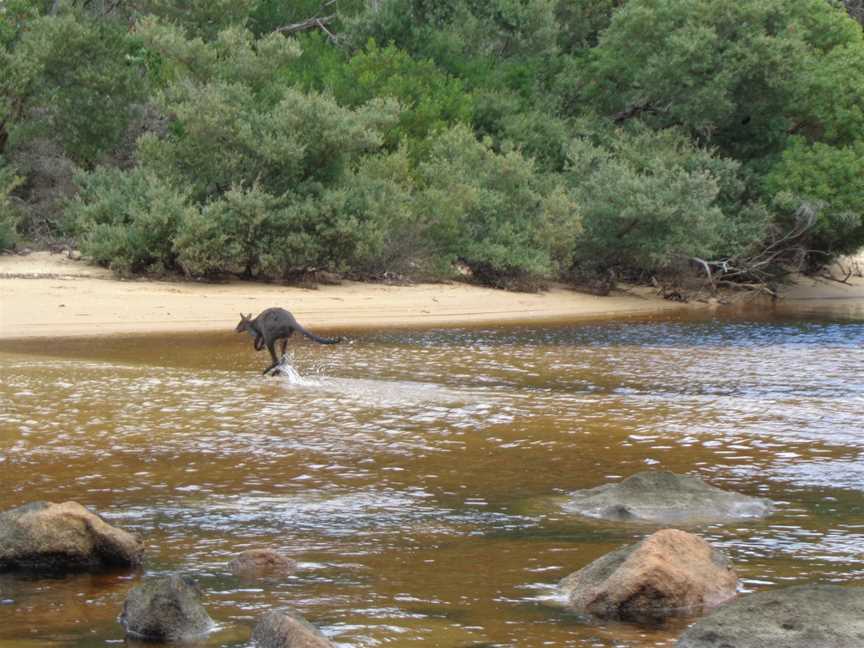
x=664, y=497
x=669, y=573
x=165, y=608
x=827, y=616
x=63, y=537
x=257, y=563
x=287, y=629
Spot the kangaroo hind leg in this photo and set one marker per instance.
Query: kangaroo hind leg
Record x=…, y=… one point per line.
x=271, y=344
x=285, y=341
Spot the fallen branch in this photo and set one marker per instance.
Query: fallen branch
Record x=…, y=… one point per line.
x=758, y=287
x=828, y=275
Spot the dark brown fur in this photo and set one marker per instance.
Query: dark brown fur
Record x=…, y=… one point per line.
x=275, y=324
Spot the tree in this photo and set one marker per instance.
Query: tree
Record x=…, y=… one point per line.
x=430, y=99
x=68, y=75
x=830, y=177
x=9, y=214
x=651, y=201
x=730, y=73
x=492, y=211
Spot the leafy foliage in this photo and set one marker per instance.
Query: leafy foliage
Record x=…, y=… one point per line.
x=730, y=73
x=651, y=200
x=68, y=75
x=492, y=211
x=829, y=176
x=519, y=139
x=9, y=215
x=430, y=99
x=127, y=220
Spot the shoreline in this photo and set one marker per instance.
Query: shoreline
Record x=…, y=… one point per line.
x=45, y=295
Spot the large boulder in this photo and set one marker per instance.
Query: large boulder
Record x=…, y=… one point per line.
x=165, y=608
x=287, y=629
x=664, y=498
x=807, y=616
x=669, y=573
x=258, y=563
x=63, y=537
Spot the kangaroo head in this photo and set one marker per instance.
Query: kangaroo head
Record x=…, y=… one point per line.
x=245, y=323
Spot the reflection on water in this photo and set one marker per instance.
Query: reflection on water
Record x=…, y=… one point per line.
x=412, y=474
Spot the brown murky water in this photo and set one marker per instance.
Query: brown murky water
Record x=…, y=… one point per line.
x=414, y=475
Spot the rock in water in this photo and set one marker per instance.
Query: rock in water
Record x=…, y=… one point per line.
x=287, y=629
x=44, y=536
x=257, y=563
x=669, y=573
x=664, y=497
x=807, y=616
x=165, y=608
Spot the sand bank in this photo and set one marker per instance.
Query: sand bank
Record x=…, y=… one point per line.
x=45, y=295
x=48, y=295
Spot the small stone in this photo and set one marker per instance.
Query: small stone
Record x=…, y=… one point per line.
x=287, y=629
x=255, y=563
x=165, y=608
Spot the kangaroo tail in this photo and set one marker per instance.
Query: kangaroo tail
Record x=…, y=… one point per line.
x=318, y=339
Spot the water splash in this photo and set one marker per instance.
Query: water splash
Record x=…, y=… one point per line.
x=286, y=371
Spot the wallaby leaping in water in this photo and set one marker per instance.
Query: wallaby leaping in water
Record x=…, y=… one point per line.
x=275, y=324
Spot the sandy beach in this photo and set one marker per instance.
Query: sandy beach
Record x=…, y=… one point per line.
x=49, y=295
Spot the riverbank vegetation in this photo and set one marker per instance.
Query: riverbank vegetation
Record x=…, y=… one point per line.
x=512, y=140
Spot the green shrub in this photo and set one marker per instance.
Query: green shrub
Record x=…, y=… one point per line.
x=650, y=201
x=830, y=176
x=730, y=73
x=200, y=18
x=222, y=138
x=9, y=215
x=363, y=225
x=490, y=210
x=371, y=222
x=430, y=99
x=582, y=21
x=68, y=76
x=247, y=231
x=127, y=220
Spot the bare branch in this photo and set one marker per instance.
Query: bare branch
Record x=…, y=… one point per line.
x=315, y=22
x=707, y=267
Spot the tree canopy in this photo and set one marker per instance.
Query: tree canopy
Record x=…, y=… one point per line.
x=520, y=139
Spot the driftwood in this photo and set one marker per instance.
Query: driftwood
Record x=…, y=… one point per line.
x=761, y=270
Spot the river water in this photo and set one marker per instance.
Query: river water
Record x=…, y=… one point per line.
x=417, y=476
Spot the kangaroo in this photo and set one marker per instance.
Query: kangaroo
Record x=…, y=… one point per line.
x=275, y=324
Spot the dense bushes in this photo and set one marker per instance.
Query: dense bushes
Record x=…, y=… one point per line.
x=652, y=200
x=517, y=139
x=127, y=220
x=8, y=213
x=493, y=211
x=68, y=77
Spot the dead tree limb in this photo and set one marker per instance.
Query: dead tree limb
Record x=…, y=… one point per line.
x=315, y=22
x=707, y=267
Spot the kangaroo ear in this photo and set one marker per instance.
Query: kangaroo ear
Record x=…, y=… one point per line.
x=249, y=316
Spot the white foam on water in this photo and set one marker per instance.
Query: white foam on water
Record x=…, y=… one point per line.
x=286, y=371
